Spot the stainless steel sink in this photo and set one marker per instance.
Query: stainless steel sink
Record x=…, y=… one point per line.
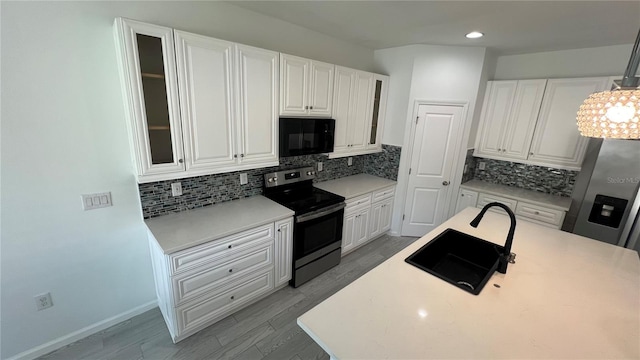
x=463, y=260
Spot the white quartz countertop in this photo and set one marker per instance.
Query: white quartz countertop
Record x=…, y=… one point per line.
x=566, y=297
x=355, y=185
x=183, y=230
x=534, y=197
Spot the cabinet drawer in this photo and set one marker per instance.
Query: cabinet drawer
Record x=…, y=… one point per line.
x=540, y=213
x=218, y=250
x=198, y=314
x=358, y=202
x=484, y=199
x=201, y=280
x=384, y=193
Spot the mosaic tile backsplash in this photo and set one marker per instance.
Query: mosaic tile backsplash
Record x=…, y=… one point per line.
x=531, y=177
x=384, y=164
x=470, y=164
x=207, y=190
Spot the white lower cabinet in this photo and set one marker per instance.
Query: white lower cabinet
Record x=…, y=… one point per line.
x=365, y=220
x=466, y=198
x=198, y=286
x=284, y=251
x=380, y=217
x=523, y=210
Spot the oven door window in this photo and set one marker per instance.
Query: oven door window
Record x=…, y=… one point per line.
x=315, y=234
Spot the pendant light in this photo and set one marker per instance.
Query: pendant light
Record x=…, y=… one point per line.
x=614, y=114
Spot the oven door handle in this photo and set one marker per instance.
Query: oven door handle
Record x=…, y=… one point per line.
x=320, y=213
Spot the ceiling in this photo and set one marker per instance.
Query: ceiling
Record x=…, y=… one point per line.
x=510, y=27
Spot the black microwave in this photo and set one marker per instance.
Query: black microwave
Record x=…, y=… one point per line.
x=305, y=136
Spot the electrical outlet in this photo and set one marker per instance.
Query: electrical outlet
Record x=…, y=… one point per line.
x=95, y=201
x=320, y=166
x=481, y=165
x=243, y=179
x=43, y=301
x=349, y=161
x=176, y=189
x=466, y=168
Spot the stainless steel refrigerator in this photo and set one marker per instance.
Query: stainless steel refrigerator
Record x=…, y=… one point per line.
x=606, y=197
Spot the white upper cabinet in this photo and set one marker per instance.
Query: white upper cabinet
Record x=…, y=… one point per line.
x=534, y=121
x=359, y=103
x=306, y=87
x=508, y=118
x=207, y=100
x=257, y=106
x=556, y=140
x=344, y=88
x=150, y=89
x=228, y=102
x=320, y=88
x=495, y=115
x=378, y=111
x=522, y=120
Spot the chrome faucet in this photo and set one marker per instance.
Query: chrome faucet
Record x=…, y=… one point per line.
x=506, y=256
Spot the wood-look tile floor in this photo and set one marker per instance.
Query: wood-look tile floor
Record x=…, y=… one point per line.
x=265, y=330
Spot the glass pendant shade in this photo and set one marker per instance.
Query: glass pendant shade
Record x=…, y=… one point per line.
x=611, y=114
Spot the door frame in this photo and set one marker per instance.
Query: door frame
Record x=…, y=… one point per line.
x=460, y=151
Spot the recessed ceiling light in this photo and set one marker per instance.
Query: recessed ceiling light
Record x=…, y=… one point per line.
x=474, y=35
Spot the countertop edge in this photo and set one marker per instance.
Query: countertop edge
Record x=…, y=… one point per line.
x=173, y=250
x=535, y=202
x=340, y=182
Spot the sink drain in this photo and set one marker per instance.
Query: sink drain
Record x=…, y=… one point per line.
x=466, y=284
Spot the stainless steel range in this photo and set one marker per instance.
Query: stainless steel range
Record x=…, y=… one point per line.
x=317, y=230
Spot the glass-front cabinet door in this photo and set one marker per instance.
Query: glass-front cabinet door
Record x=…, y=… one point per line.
x=149, y=72
x=379, y=105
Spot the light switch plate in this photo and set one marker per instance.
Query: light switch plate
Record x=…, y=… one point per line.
x=96, y=201
x=320, y=167
x=350, y=161
x=243, y=179
x=176, y=189
x=481, y=165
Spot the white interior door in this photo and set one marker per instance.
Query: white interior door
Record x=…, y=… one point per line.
x=436, y=134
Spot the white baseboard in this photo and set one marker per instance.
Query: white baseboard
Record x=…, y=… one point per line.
x=82, y=333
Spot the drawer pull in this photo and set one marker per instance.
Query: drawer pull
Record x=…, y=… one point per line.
x=229, y=247
x=537, y=212
x=230, y=270
x=233, y=297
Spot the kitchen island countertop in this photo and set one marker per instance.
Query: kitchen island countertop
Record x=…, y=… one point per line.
x=565, y=297
x=354, y=185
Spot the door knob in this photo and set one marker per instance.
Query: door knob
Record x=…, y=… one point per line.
x=445, y=183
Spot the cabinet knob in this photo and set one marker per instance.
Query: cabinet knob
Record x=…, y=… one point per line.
x=462, y=195
x=531, y=153
x=233, y=297
x=445, y=183
x=278, y=230
x=230, y=270
x=229, y=247
x=241, y=155
x=306, y=108
x=235, y=155
x=180, y=161
x=537, y=212
x=311, y=107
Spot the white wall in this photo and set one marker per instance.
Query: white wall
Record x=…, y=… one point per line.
x=599, y=61
x=397, y=62
x=64, y=134
x=488, y=72
x=438, y=73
